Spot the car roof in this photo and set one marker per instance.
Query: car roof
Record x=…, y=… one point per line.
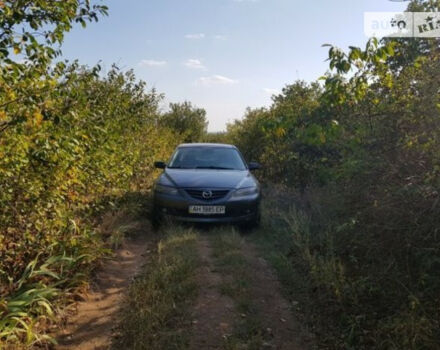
x=213, y=145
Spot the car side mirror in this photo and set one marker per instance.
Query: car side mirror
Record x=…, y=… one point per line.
x=254, y=166
x=160, y=165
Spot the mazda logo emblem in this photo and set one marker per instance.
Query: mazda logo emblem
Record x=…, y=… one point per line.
x=207, y=194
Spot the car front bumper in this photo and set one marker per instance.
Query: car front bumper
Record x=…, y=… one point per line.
x=237, y=210
x=214, y=220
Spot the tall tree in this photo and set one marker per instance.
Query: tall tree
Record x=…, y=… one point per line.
x=33, y=27
x=407, y=50
x=187, y=120
x=31, y=32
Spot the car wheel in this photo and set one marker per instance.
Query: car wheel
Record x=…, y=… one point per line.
x=251, y=225
x=255, y=223
x=155, y=218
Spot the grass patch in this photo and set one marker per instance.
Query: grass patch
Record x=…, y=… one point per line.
x=34, y=303
x=345, y=289
x=275, y=246
x=229, y=261
x=155, y=315
x=283, y=241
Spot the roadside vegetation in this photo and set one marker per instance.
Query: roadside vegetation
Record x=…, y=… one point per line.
x=74, y=144
x=358, y=153
x=351, y=163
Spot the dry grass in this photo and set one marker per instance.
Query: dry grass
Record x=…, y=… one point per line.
x=155, y=314
x=352, y=291
x=229, y=260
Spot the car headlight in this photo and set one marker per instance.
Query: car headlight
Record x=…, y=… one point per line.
x=166, y=189
x=244, y=192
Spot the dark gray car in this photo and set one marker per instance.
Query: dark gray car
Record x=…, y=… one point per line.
x=207, y=183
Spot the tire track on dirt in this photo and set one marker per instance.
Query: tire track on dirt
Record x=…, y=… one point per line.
x=276, y=312
x=91, y=328
x=214, y=313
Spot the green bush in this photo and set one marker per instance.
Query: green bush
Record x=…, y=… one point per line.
x=363, y=152
x=91, y=139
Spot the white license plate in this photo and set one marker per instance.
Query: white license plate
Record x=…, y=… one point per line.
x=207, y=209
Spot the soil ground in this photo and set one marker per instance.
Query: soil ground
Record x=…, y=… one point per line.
x=92, y=326
x=214, y=314
x=278, y=313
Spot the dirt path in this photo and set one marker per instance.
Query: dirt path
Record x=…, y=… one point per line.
x=216, y=320
x=213, y=313
x=216, y=315
x=277, y=312
x=91, y=328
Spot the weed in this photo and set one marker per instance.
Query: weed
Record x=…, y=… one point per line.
x=155, y=315
x=347, y=290
x=248, y=331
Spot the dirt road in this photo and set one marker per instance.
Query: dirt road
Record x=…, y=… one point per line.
x=237, y=302
x=240, y=305
x=92, y=327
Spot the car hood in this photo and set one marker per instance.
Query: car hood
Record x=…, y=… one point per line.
x=207, y=178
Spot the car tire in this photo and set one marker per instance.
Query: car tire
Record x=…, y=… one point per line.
x=155, y=218
x=255, y=223
x=251, y=225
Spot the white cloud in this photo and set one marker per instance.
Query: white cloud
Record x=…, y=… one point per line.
x=194, y=63
x=220, y=37
x=216, y=80
x=152, y=63
x=195, y=36
x=271, y=91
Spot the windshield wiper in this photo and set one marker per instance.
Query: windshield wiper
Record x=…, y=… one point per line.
x=214, y=167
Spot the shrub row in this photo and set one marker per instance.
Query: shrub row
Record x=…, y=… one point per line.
x=83, y=141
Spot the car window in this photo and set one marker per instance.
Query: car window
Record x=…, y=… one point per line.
x=207, y=158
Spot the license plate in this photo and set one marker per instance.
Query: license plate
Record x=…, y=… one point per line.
x=207, y=209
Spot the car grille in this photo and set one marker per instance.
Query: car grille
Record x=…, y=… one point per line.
x=216, y=194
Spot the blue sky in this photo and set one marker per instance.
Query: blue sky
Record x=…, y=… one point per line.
x=222, y=55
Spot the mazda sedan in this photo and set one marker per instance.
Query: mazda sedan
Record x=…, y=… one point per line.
x=207, y=183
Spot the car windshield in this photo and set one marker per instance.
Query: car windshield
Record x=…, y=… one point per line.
x=207, y=158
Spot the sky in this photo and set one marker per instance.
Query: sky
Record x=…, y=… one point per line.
x=222, y=55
